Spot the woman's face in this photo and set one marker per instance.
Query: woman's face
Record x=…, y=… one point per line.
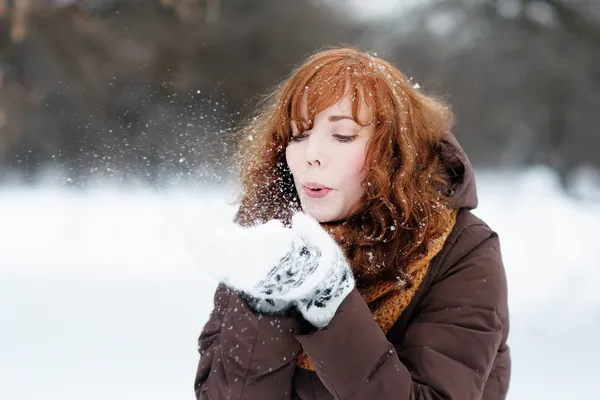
x=327, y=161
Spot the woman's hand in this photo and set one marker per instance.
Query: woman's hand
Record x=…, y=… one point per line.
x=276, y=267
x=319, y=305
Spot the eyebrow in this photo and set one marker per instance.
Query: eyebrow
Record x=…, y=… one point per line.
x=335, y=118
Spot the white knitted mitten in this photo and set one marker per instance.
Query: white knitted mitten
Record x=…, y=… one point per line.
x=275, y=267
x=319, y=306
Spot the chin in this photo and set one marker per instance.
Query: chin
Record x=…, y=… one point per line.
x=321, y=216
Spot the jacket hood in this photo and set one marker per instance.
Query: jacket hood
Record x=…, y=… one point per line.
x=462, y=188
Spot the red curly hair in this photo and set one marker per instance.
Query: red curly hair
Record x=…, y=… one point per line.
x=403, y=208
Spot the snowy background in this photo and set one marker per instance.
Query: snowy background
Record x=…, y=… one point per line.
x=99, y=299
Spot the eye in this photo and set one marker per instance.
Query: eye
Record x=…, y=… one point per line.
x=298, y=137
x=344, y=138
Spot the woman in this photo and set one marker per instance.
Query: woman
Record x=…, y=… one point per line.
x=355, y=268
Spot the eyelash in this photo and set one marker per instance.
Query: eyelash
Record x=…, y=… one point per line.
x=345, y=139
x=297, y=138
x=340, y=138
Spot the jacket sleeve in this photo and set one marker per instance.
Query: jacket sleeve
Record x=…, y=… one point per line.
x=244, y=354
x=448, y=348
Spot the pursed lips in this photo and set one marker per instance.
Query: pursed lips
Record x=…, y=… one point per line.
x=316, y=190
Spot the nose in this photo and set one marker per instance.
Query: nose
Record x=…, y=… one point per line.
x=314, y=151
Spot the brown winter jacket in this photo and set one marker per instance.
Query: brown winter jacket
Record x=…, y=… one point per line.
x=449, y=343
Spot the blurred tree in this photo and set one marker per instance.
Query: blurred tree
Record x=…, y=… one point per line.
x=149, y=88
x=523, y=74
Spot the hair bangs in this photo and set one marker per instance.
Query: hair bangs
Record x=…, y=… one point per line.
x=326, y=84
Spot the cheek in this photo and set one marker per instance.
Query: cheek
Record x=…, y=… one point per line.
x=354, y=173
x=291, y=158
x=356, y=167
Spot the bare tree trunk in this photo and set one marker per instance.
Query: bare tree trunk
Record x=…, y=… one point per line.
x=21, y=14
x=576, y=22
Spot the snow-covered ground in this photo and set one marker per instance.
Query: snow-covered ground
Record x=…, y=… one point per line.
x=99, y=300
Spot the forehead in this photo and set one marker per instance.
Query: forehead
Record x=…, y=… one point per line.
x=333, y=101
x=343, y=108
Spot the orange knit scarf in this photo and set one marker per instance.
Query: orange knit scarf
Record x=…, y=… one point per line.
x=388, y=299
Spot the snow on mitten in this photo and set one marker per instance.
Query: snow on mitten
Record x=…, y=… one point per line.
x=274, y=266
x=269, y=264
x=242, y=258
x=335, y=281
